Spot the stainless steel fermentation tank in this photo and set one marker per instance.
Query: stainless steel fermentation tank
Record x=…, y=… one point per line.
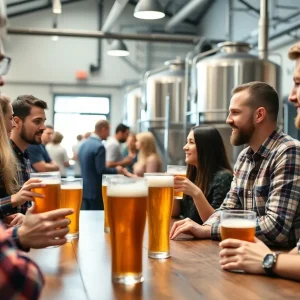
x=213, y=79
x=164, y=113
x=133, y=106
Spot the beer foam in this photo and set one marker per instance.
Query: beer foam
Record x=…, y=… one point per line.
x=71, y=187
x=127, y=190
x=160, y=181
x=238, y=223
x=50, y=181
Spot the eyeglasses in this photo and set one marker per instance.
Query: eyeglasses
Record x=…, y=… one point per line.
x=4, y=65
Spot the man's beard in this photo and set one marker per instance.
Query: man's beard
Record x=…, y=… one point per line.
x=28, y=140
x=242, y=136
x=297, y=121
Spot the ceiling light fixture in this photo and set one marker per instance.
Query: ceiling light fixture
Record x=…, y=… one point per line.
x=56, y=7
x=148, y=10
x=118, y=48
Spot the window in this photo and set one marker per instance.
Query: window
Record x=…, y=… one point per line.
x=75, y=114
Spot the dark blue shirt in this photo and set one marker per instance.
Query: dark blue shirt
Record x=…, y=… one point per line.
x=38, y=153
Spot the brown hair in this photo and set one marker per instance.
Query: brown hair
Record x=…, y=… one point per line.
x=211, y=156
x=101, y=124
x=294, y=52
x=57, y=138
x=261, y=95
x=22, y=105
x=8, y=161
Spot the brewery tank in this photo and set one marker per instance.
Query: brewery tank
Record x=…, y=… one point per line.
x=217, y=75
x=163, y=114
x=132, y=106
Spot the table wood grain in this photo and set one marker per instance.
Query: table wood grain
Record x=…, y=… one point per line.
x=81, y=270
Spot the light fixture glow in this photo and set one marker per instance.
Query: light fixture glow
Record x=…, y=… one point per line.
x=118, y=48
x=56, y=7
x=148, y=10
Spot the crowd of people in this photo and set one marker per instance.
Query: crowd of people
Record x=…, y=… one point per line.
x=265, y=179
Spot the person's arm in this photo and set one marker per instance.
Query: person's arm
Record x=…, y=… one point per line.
x=241, y=255
x=42, y=166
x=126, y=161
x=283, y=199
x=20, y=271
x=100, y=162
x=66, y=159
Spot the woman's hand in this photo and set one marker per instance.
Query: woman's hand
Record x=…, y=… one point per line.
x=182, y=184
x=241, y=255
x=15, y=220
x=187, y=226
x=25, y=193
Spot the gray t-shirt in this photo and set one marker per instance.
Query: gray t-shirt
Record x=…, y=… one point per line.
x=113, y=150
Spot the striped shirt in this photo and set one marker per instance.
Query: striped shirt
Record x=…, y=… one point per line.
x=267, y=182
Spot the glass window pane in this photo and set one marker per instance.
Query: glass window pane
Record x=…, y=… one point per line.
x=73, y=104
x=70, y=125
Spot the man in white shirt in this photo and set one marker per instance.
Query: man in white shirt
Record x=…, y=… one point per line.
x=114, y=155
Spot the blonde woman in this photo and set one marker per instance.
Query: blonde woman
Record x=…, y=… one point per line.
x=14, y=198
x=148, y=159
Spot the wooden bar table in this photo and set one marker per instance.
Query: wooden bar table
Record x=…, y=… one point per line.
x=81, y=270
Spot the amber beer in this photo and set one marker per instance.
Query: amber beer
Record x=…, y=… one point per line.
x=177, y=171
x=238, y=225
x=51, y=191
x=127, y=203
x=105, y=179
x=159, y=209
x=71, y=197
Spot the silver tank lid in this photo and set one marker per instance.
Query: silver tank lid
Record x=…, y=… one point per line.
x=234, y=47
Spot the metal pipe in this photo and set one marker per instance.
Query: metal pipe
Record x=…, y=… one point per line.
x=189, y=8
x=263, y=30
x=167, y=38
x=113, y=15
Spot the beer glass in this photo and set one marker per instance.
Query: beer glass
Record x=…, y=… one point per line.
x=71, y=197
x=177, y=171
x=159, y=210
x=127, y=204
x=105, y=179
x=238, y=224
x=51, y=191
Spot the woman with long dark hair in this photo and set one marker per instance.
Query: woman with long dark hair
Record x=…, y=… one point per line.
x=208, y=177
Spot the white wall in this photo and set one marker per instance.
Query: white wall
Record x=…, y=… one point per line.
x=42, y=67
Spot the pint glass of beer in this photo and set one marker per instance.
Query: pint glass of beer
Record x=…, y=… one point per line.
x=159, y=209
x=127, y=204
x=238, y=224
x=71, y=197
x=51, y=191
x=177, y=171
x=105, y=179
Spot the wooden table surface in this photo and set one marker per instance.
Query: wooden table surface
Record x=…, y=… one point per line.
x=81, y=270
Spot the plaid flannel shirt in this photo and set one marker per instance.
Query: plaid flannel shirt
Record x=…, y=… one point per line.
x=267, y=182
x=20, y=277
x=24, y=169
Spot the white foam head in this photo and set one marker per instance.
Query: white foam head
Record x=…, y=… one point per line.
x=49, y=181
x=71, y=187
x=132, y=189
x=238, y=223
x=160, y=181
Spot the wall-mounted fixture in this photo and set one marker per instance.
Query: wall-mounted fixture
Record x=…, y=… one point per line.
x=149, y=10
x=118, y=48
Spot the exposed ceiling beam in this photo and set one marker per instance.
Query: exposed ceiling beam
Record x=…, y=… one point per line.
x=19, y=3
x=38, y=8
x=114, y=14
x=170, y=38
x=188, y=9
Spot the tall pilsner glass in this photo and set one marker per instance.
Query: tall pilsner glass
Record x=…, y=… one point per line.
x=177, y=171
x=51, y=191
x=238, y=224
x=159, y=209
x=127, y=204
x=105, y=179
x=71, y=197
